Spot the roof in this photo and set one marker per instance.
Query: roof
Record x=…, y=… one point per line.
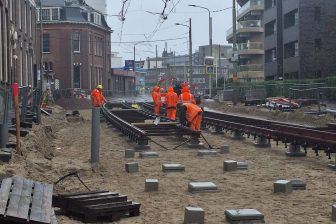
x=57, y=3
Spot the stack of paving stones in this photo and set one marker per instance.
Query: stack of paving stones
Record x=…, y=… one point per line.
x=244, y=216
x=333, y=213
x=144, y=155
x=282, y=186
x=206, y=152
x=225, y=149
x=151, y=185
x=173, y=168
x=193, y=215
x=195, y=187
x=129, y=153
x=132, y=167
x=242, y=166
x=230, y=165
x=5, y=154
x=298, y=185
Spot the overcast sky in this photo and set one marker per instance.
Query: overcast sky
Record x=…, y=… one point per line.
x=141, y=25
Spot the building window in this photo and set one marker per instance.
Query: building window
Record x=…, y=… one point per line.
x=270, y=55
x=46, y=42
x=317, y=14
x=270, y=28
x=20, y=24
x=45, y=14
x=51, y=66
x=291, y=49
x=291, y=18
x=318, y=44
x=46, y=66
x=90, y=43
x=76, y=42
x=270, y=4
x=55, y=14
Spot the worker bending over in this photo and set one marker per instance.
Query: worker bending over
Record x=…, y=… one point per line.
x=191, y=116
x=97, y=98
x=156, y=100
x=171, y=100
x=186, y=96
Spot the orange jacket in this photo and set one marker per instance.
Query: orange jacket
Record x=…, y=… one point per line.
x=156, y=96
x=171, y=98
x=192, y=111
x=186, y=96
x=97, y=98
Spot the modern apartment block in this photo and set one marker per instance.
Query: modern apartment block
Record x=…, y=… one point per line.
x=250, y=40
x=300, y=39
x=76, y=44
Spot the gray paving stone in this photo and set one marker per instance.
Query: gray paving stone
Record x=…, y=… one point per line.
x=242, y=166
x=202, y=186
x=206, y=152
x=224, y=149
x=149, y=155
x=173, y=168
x=332, y=166
x=129, y=153
x=151, y=185
x=230, y=165
x=283, y=186
x=5, y=155
x=244, y=215
x=298, y=185
x=132, y=167
x=333, y=213
x=193, y=215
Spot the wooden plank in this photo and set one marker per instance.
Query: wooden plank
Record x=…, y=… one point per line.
x=97, y=195
x=4, y=194
x=15, y=197
x=101, y=200
x=82, y=193
x=41, y=205
x=25, y=199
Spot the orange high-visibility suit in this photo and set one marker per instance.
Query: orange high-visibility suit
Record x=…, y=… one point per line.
x=171, y=100
x=186, y=96
x=97, y=98
x=156, y=100
x=193, y=116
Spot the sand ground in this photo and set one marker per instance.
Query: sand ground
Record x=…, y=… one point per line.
x=60, y=146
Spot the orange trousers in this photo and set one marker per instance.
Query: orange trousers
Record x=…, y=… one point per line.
x=196, y=123
x=157, y=110
x=171, y=114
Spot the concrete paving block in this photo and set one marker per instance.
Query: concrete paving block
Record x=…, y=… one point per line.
x=202, y=187
x=230, y=165
x=224, y=149
x=333, y=213
x=298, y=185
x=132, y=167
x=144, y=155
x=332, y=166
x=173, y=168
x=244, y=216
x=282, y=186
x=193, y=215
x=129, y=153
x=295, y=154
x=242, y=166
x=206, y=152
x=5, y=156
x=151, y=185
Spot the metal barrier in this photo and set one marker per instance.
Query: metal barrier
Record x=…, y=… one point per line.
x=5, y=104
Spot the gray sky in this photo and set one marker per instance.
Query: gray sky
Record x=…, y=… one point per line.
x=139, y=24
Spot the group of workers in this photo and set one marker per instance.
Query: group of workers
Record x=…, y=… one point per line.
x=190, y=113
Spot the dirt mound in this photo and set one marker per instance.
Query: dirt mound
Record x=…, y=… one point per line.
x=74, y=104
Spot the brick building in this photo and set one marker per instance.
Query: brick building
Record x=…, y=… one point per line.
x=300, y=39
x=76, y=44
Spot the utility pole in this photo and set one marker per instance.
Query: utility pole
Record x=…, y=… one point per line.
x=210, y=45
x=190, y=53
x=156, y=61
x=235, y=66
x=72, y=64
x=41, y=50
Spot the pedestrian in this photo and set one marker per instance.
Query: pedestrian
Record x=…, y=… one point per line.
x=171, y=100
x=186, y=96
x=191, y=116
x=156, y=100
x=97, y=97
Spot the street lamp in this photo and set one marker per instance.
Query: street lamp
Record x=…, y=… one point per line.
x=218, y=59
x=190, y=49
x=210, y=39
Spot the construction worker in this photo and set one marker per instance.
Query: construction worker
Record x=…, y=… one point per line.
x=97, y=97
x=171, y=100
x=191, y=116
x=156, y=100
x=186, y=96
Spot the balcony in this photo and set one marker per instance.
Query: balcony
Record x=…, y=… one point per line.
x=253, y=7
x=245, y=28
x=255, y=71
x=251, y=48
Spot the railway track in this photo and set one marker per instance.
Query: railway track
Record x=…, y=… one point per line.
x=318, y=139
